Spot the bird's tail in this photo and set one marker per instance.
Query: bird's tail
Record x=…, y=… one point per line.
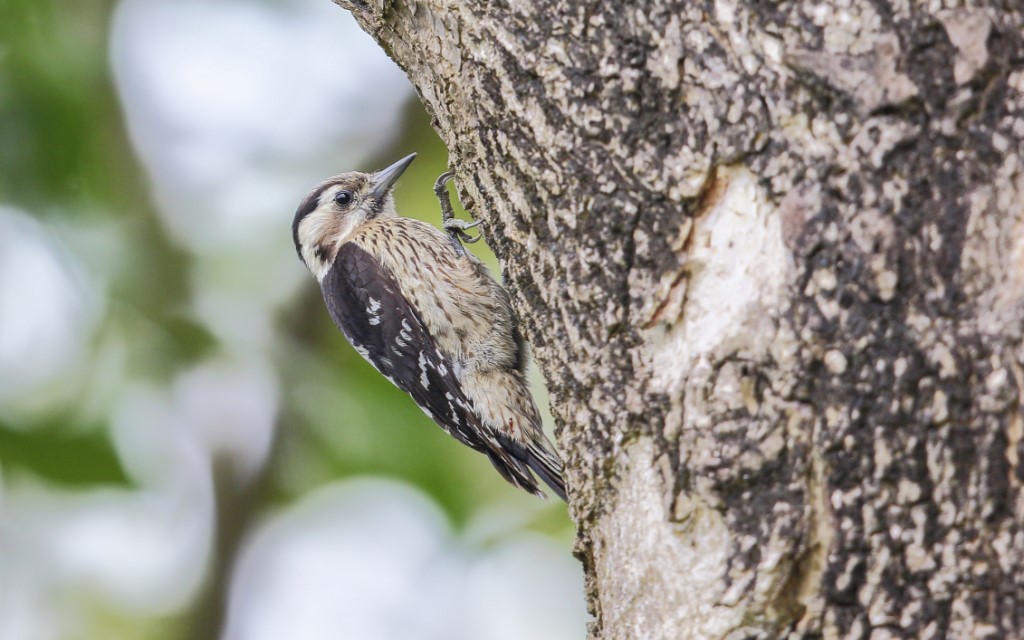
x=513, y=470
x=547, y=465
x=537, y=455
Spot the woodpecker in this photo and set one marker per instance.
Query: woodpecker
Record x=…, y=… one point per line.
x=428, y=316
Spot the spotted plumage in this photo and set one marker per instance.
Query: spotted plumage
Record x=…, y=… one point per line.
x=429, y=318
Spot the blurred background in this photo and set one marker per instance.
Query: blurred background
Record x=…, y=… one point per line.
x=188, y=446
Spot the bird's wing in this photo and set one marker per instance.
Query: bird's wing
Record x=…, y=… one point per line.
x=366, y=302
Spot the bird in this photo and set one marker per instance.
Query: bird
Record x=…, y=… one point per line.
x=428, y=316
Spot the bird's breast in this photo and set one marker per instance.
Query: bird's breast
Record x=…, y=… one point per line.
x=464, y=309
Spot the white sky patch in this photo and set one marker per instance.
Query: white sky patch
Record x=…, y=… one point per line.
x=230, y=408
x=237, y=108
x=378, y=560
x=140, y=551
x=48, y=307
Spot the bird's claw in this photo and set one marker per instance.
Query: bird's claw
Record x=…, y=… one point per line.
x=456, y=228
x=441, y=184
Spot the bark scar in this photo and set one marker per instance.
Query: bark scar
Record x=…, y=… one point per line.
x=674, y=298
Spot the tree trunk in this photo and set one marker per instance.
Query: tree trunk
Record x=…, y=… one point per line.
x=770, y=257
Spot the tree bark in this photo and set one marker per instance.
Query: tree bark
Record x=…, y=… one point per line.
x=770, y=258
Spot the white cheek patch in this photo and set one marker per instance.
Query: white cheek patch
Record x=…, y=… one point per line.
x=313, y=231
x=325, y=229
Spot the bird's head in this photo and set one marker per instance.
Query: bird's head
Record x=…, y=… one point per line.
x=329, y=214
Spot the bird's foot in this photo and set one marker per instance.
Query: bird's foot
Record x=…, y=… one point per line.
x=441, y=191
x=455, y=228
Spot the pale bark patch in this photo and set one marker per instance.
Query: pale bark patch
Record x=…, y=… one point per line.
x=968, y=31
x=736, y=266
x=687, y=572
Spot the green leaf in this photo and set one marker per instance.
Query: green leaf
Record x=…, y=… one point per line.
x=73, y=459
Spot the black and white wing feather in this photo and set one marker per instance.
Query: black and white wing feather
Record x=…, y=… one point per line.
x=366, y=302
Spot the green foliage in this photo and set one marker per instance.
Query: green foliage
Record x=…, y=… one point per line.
x=50, y=452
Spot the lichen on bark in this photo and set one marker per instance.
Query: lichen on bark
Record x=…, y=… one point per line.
x=770, y=258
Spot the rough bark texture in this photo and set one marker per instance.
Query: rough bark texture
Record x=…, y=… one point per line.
x=770, y=257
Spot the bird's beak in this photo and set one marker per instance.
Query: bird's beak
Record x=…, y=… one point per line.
x=384, y=179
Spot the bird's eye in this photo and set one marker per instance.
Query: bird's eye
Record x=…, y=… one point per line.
x=343, y=197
